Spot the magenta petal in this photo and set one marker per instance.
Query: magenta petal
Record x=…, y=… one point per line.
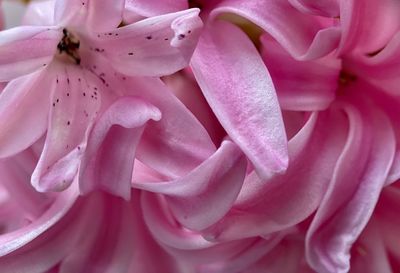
x=26, y=49
x=109, y=157
x=156, y=46
x=301, y=85
x=328, y=8
x=149, y=8
x=24, y=107
x=355, y=187
x=238, y=88
x=302, y=35
x=73, y=108
x=215, y=183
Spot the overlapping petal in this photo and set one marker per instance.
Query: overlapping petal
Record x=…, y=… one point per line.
x=353, y=192
x=239, y=89
x=214, y=183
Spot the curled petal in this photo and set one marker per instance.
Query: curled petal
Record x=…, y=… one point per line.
x=156, y=46
x=303, y=36
x=215, y=183
x=110, y=153
x=238, y=88
x=353, y=192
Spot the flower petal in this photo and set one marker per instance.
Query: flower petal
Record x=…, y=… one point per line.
x=149, y=8
x=266, y=206
x=24, y=107
x=354, y=190
x=303, y=36
x=26, y=49
x=74, y=106
x=215, y=183
x=156, y=46
x=40, y=13
x=110, y=153
x=301, y=85
x=177, y=143
x=96, y=15
x=238, y=88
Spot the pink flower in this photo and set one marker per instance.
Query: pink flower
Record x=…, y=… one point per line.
x=75, y=64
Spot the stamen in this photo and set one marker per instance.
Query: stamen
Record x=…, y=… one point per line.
x=70, y=45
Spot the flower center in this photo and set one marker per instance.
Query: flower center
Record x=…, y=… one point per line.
x=69, y=45
x=345, y=78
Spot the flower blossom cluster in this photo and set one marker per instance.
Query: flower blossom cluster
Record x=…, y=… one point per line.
x=207, y=136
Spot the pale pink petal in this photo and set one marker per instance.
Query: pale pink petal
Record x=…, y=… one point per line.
x=40, y=13
x=215, y=183
x=110, y=152
x=302, y=35
x=265, y=206
x=15, y=178
x=74, y=106
x=301, y=85
x=353, y=192
x=238, y=88
x=156, y=46
x=149, y=8
x=26, y=49
x=95, y=15
x=24, y=107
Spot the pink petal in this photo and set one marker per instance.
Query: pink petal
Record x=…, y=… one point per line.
x=367, y=26
x=247, y=109
x=109, y=224
x=353, y=192
x=282, y=201
x=96, y=15
x=26, y=49
x=177, y=143
x=156, y=46
x=301, y=85
x=74, y=106
x=149, y=8
x=328, y=8
x=215, y=183
x=369, y=254
x=303, y=36
x=23, y=112
x=109, y=157
x=40, y=13
x=12, y=241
